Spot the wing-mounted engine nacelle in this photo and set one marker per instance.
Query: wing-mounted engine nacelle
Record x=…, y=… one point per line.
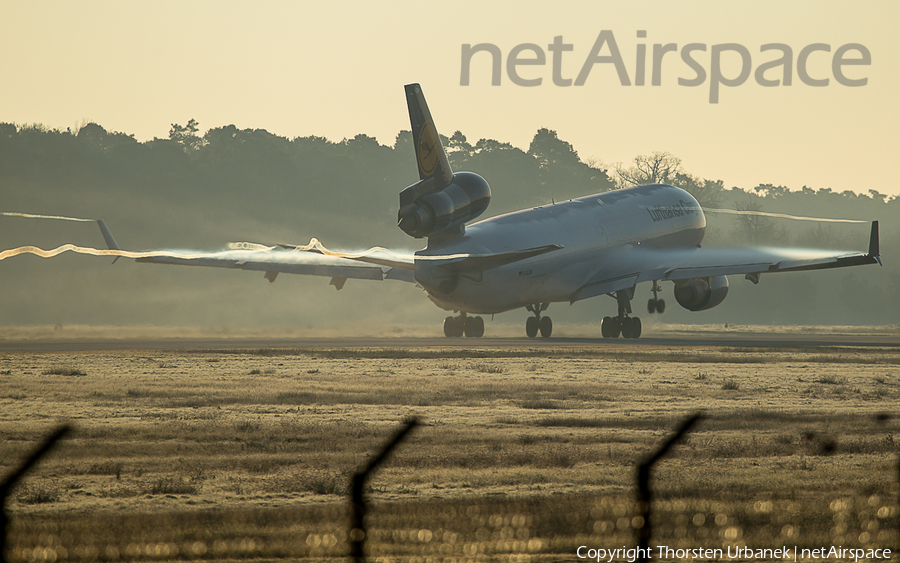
x=699, y=294
x=426, y=212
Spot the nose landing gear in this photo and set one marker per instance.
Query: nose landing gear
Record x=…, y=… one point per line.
x=656, y=305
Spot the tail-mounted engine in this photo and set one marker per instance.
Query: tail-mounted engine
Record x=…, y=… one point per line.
x=441, y=202
x=699, y=294
x=445, y=210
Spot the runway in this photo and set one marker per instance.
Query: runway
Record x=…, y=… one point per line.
x=683, y=339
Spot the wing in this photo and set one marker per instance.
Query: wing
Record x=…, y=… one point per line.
x=631, y=265
x=312, y=259
x=276, y=260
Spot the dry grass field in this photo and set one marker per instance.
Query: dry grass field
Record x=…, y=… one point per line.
x=523, y=454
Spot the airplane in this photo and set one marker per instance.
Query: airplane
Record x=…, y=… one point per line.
x=601, y=244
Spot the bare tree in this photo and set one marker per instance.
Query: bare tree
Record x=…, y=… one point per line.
x=752, y=224
x=656, y=168
x=755, y=227
x=595, y=162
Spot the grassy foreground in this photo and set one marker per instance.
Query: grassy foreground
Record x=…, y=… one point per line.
x=524, y=454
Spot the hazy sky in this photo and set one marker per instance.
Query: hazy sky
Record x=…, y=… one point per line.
x=337, y=69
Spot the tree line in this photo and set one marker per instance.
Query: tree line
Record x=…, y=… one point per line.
x=228, y=184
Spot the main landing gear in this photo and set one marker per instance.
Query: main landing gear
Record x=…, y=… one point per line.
x=537, y=322
x=473, y=327
x=628, y=327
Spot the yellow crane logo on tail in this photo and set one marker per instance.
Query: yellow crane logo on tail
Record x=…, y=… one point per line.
x=426, y=151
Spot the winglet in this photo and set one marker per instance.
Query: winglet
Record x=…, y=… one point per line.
x=107, y=236
x=874, y=251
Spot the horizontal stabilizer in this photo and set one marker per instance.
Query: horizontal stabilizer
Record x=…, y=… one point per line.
x=482, y=262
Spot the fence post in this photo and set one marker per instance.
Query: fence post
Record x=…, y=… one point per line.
x=358, y=531
x=645, y=494
x=884, y=418
x=8, y=483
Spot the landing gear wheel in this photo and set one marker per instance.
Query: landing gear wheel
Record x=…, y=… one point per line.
x=531, y=327
x=631, y=327
x=453, y=327
x=605, y=325
x=627, y=324
x=474, y=327
x=546, y=327
x=655, y=305
x=614, y=327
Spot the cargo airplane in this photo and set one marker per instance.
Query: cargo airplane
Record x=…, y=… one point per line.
x=602, y=244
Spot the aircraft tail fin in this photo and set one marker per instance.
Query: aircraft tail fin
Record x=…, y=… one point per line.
x=441, y=203
x=430, y=154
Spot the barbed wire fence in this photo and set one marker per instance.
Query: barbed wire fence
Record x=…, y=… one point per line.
x=645, y=492
x=10, y=482
x=358, y=528
x=513, y=530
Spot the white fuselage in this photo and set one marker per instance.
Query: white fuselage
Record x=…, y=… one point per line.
x=591, y=230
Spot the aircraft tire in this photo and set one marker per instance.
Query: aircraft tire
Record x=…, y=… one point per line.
x=604, y=327
x=546, y=326
x=651, y=306
x=615, y=327
x=660, y=306
x=474, y=327
x=627, y=325
x=635, y=327
x=453, y=327
x=531, y=327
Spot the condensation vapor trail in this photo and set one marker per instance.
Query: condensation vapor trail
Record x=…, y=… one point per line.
x=99, y=252
x=314, y=247
x=781, y=216
x=33, y=216
x=314, y=251
x=251, y=250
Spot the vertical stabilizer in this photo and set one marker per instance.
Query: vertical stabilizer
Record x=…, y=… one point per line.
x=430, y=155
x=441, y=202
